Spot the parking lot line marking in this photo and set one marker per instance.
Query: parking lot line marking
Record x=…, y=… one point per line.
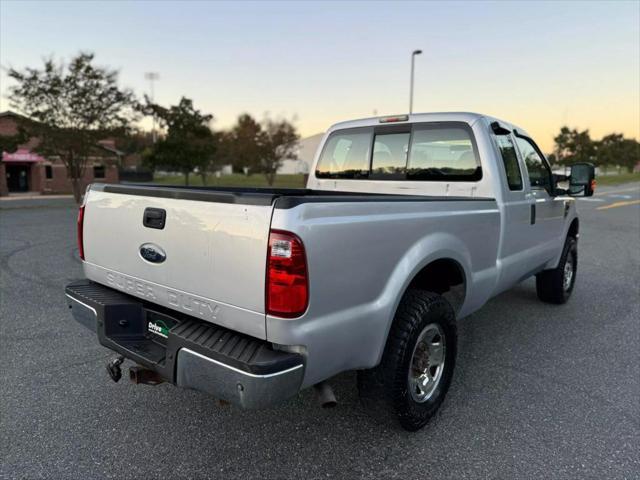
x=633, y=189
x=619, y=204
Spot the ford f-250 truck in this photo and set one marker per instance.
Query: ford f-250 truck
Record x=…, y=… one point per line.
x=407, y=224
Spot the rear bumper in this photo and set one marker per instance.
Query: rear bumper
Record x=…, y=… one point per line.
x=190, y=353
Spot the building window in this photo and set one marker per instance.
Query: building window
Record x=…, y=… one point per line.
x=48, y=171
x=98, y=171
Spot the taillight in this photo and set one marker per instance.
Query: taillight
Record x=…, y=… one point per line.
x=80, y=233
x=287, y=289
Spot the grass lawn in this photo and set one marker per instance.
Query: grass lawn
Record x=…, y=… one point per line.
x=617, y=179
x=235, y=180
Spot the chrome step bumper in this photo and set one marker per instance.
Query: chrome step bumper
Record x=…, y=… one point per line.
x=190, y=353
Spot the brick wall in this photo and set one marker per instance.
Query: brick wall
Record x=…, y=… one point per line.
x=4, y=191
x=60, y=183
x=9, y=128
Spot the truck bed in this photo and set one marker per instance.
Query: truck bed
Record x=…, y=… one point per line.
x=213, y=241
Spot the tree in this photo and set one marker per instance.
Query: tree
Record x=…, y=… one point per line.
x=562, y=149
x=260, y=147
x=188, y=144
x=279, y=142
x=242, y=145
x=614, y=149
x=572, y=146
x=134, y=142
x=10, y=143
x=72, y=107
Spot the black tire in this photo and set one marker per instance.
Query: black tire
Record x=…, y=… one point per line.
x=384, y=390
x=550, y=284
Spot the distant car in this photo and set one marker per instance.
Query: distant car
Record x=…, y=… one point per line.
x=407, y=224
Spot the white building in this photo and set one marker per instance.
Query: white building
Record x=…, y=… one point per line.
x=304, y=156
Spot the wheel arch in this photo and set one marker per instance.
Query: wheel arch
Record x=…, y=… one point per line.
x=448, y=259
x=441, y=276
x=574, y=228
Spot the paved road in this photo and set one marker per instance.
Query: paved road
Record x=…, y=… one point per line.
x=540, y=391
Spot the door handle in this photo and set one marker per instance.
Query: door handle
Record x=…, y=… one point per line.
x=533, y=213
x=154, y=218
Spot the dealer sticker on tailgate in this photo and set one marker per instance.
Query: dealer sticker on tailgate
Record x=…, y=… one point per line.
x=159, y=324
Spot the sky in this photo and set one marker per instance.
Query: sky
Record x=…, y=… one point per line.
x=539, y=65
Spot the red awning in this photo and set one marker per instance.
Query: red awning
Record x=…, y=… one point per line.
x=22, y=155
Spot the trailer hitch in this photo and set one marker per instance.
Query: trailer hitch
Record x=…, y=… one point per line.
x=145, y=376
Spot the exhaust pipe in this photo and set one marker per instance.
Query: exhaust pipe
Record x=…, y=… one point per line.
x=145, y=376
x=325, y=395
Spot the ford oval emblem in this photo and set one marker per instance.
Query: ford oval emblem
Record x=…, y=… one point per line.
x=152, y=253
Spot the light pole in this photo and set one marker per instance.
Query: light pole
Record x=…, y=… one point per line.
x=413, y=58
x=152, y=77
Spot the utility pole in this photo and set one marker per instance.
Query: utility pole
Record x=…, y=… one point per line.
x=413, y=57
x=152, y=77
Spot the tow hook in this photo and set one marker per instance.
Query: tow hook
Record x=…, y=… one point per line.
x=113, y=368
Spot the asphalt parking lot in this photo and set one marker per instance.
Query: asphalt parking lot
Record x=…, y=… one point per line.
x=540, y=391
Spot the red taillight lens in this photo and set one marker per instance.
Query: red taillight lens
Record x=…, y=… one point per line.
x=80, y=235
x=287, y=289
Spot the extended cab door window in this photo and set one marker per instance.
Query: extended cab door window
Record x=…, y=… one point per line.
x=537, y=167
x=510, y=161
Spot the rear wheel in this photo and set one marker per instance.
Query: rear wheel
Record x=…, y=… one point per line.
x=556, y=285
x=417, y=365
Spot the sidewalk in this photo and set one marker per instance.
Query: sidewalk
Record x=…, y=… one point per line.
x=34, y=200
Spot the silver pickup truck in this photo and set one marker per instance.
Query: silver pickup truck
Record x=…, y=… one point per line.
x=407, y=224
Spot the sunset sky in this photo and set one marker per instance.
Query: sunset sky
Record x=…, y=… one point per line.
x=539, y=65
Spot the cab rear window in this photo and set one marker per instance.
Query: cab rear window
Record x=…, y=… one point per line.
x=428, y=152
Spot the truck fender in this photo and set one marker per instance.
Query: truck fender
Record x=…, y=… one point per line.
x=569, y=221
x=433, y=247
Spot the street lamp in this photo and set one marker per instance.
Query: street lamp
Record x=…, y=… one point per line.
x=413, y=57
x=152, y=77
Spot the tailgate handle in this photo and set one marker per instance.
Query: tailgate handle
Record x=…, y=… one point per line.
x=154, y=218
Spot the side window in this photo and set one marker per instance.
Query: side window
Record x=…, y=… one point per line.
x=539, y=174
x=345, y=155
x=390, y=155
x=510, y=161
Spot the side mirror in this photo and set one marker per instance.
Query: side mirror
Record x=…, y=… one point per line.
x=582, y=180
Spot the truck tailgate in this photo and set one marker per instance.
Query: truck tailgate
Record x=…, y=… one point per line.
x=214, y=254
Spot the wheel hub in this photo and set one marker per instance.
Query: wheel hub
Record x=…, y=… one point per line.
x=568, y=274
x=427, y=363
